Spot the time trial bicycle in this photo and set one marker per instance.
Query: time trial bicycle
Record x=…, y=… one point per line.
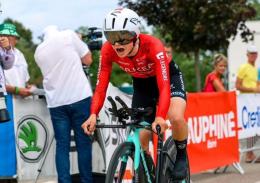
x=129, y=162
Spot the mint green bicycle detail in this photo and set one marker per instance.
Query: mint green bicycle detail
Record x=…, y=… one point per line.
x=134, y=137
x=141, y=171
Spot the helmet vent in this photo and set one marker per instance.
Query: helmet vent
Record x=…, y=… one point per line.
x=125, y=23
x=113, y=23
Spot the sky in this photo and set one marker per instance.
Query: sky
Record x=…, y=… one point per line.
x=66, y=14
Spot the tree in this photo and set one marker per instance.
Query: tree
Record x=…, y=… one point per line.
x=256, y=5
x=193, y=26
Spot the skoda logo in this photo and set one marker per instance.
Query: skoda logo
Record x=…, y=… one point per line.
x=31, y=138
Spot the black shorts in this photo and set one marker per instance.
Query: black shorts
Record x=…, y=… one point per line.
x=146, y=90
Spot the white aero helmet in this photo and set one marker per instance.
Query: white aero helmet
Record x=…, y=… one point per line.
x=122, y=20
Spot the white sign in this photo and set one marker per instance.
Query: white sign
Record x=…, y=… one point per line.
x=34, y=140
x=248, y=111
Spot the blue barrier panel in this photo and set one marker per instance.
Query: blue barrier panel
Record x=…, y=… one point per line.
x=7, y=144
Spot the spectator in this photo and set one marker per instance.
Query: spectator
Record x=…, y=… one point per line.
x=213, y=81
x=246, y=82
x=6, y=58
x=18, y=76
x=68, y=93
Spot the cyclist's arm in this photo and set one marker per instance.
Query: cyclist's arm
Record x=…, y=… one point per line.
x=163, y=80
x=164, y=94
x=105, y=67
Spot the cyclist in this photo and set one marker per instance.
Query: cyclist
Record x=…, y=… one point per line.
x=155, y=80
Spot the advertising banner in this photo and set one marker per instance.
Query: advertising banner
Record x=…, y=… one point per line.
x=248, y=112
x=35, y=144
x=213, y=135
x=33, y=136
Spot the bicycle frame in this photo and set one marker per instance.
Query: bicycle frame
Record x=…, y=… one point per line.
x=134, y=137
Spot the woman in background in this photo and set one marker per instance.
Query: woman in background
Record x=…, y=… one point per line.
x=213, y=82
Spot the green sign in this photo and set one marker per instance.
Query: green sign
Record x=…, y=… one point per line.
x=31, y=138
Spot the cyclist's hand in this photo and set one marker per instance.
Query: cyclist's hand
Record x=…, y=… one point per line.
x=89, y=125
x=159, y=121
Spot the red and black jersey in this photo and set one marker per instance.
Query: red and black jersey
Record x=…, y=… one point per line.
x=150, y=61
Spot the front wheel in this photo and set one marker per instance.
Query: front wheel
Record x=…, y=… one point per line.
x=121, y=166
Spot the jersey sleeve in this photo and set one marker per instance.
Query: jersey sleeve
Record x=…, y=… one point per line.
x=159, y=57
x=104, y=71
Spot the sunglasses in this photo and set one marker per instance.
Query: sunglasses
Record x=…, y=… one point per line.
x=120, y=37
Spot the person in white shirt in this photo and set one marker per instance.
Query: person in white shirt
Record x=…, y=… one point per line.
x=68, y=93
x=18, y=76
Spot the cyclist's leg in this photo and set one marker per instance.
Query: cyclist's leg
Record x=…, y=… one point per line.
x=145, y=95
x=178, y=104
x=176, y=117
x=145, y=136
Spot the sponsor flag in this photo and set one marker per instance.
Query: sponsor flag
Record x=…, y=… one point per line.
x=213, y=131
x=248, y=111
